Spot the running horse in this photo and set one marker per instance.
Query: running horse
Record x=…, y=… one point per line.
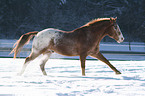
x=83, y=41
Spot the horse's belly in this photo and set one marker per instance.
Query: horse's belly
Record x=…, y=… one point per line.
x=66, y=54
x=66, y=50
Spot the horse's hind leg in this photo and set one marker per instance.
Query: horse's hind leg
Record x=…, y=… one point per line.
x=103, y=59
x=31, y=57
x=43, y=61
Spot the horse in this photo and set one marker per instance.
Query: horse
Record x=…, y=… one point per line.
x=83, y=41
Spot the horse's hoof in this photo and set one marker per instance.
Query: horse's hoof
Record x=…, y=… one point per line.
x=83, y=75
x=117, y=73
x=45, y=74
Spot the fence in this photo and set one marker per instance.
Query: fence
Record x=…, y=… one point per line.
x=122, y=51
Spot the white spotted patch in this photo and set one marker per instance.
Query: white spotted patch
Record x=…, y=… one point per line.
x=43, y=38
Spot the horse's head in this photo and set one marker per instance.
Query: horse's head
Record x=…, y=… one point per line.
x=114, y=31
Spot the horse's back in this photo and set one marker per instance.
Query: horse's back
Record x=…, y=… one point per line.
x=59, y=41
x=47, y=33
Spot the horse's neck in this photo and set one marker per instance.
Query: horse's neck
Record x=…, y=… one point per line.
x=100, y=32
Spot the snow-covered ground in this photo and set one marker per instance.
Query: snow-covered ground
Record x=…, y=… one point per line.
x=64, y=78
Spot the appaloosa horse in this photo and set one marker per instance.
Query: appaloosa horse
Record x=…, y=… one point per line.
x=82, y=42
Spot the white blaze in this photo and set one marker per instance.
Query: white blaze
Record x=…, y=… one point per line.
x=121, y=38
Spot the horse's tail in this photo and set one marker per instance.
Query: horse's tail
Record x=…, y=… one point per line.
x=25, y=38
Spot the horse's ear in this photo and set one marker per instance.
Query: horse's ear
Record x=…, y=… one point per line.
x=115, y=18
x=111, y=19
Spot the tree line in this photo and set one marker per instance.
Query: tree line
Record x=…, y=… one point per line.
x=21, y=16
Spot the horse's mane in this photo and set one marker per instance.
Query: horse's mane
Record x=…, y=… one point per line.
x=96, y=20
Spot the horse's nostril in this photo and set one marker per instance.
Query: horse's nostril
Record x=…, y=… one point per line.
x=122, y=38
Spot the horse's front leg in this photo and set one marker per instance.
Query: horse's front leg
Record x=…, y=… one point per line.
x=83, y=59
x=103, y=59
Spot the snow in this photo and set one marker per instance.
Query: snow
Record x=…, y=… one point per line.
x=64, y=78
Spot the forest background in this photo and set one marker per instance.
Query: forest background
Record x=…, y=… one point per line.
x=21, y=16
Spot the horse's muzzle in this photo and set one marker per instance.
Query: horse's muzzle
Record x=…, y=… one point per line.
x=120, y=40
